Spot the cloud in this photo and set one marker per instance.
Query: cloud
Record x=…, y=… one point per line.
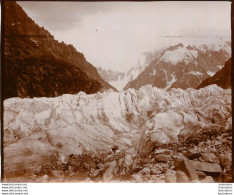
x=114, y=34
x=60, y=16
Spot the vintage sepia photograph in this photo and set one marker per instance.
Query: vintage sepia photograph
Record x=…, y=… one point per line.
x=116, y=92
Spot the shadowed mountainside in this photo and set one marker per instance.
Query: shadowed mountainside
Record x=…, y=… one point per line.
x=222, y=78
x=37, y=65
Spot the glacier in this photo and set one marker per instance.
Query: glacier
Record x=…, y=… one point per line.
x=129, y=122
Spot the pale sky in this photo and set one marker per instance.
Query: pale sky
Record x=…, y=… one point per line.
x=114, y=34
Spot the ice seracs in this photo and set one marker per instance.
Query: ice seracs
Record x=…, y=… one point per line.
x=105, y=116
x=130, y=121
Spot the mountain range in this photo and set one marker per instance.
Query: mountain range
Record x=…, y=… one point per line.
x=37, y=65
x=120, y=79
x=177, y=66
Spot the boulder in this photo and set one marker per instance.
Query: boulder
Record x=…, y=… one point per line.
x=100, y=166
x=137, y=177
x=146, y=177
x=146, y=170
x=183, y=164
x=224, y=135
x=107, y=176
x=181, y=177
x=207, y=167
x=155, y=170
x=110, y=171
x=225, y=159
x=159, y=137
x=162, y=158
x=217, y=143
x=164, y=151
x=201, y=174
x=95, y=173
x=128, y=160
x=170, y=176
x=210, y=157
x=208, y=179
x=191, y=154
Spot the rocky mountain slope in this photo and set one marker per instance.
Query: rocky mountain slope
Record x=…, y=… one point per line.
x=149, y=135
x=222, y=78
x=36, y=65
x=183, y=67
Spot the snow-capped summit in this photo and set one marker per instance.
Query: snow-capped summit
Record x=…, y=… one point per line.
x=177, y=66
x=226, y=46
x=178, y=54
x=183, y=67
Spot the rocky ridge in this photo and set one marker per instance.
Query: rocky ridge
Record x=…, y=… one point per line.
x=222, y=78
x=183, y=67
x=36, y=65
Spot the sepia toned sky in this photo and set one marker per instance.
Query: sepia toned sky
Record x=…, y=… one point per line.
x=114, y=34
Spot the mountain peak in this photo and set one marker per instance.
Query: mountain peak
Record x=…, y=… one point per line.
x=182, y=67
x=177, y=54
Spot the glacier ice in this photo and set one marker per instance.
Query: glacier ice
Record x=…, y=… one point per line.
x=131, y=121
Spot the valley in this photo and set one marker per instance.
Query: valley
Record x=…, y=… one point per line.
x=166, y=119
